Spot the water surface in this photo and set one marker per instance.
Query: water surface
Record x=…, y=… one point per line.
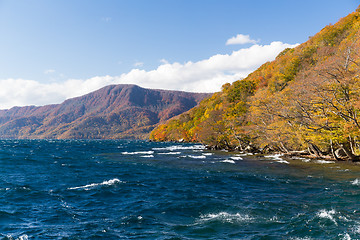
x=67, y=189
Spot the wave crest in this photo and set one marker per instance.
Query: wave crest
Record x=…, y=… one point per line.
x=177, y=147
x=228, y=161
x=226, y=217
x=140, y=152
x=327, y=214
x=93, y=185
x=356, y=182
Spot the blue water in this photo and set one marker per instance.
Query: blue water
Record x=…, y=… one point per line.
x=142, y=190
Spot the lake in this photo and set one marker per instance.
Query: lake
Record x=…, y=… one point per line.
x=119, y=189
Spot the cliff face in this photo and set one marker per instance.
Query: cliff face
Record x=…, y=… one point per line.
x=116, y=111
x=307, y=98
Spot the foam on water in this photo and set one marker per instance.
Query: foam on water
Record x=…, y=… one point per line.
x=22, y=237
x=324, y=161
x=197, y=157
x=93, y=185
x=179, y=147
x=327, y=215
x=169, y=153
x=345, y=236
x=283, y=161
x=277, y=158
x=357, y=229
x=147, y=156
x=356, y=182
x=228, y=161
x=208, y=154
x=226, y=217
x=300, y=158
x=236, y=158
x=136, y=153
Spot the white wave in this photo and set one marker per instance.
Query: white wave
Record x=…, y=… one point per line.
x=345, y=236
x=197, y=157
x=283, y=161
x=22, y=237
x=169, y=153
x=228, y=161
x=324, y=161
x=302, y=159
x=327, y=214
x=147, y=156
x=225, y=217
x=135, y=153
x=179, y=147
x=357, y=229
x=208, y=154
x=89, y=186
x=275, y=156
x=356, y=182
x=245, y=154
x=236, y=158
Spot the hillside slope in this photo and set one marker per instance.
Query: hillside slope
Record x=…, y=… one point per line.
x=307, y=98
x=116, y=111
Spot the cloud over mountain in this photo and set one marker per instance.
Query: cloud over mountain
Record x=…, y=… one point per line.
x=240, y=39
x=207, y=75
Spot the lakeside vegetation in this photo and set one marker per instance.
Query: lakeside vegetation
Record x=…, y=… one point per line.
x=305, y=102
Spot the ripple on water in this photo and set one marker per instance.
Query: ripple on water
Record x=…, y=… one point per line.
x=135, y=189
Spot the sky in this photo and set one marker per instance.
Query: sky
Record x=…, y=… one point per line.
x=54, y=50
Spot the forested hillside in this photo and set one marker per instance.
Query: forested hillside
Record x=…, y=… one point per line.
x=115, y=111
x=307, y=98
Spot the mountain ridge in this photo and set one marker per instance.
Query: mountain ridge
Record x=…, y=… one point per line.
x=114, y=111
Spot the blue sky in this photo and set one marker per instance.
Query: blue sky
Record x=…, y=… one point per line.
x=53, y=50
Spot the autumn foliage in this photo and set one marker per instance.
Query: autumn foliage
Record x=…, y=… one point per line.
x=307, y=98
x=113, y=112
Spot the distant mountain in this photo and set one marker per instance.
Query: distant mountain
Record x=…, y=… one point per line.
x=115, y=111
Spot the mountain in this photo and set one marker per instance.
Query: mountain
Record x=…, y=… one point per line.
x=308, y=98
x=116, y=111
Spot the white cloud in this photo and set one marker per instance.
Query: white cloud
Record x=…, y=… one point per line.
x=207, y=75
x=22, y=92
x=164, y=61
x=49, y=71
x=240, y=39
x=138, y=64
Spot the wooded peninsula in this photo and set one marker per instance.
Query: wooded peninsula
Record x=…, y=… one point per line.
x=305, y=102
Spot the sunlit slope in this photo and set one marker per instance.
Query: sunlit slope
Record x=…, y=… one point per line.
x=307, y=96
x=115, y=111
